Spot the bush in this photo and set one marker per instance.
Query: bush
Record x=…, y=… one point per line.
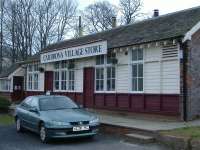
x=4, y=104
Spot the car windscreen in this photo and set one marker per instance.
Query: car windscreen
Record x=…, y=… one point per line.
x=56, y=103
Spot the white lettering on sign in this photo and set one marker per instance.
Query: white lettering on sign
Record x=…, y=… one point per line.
x=97, y=48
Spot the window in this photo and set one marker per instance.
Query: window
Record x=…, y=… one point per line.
x=99, y=79
x=4, y=85
x=105, y=73
x=64, y=76
x=137, y=70
x=71, y=80
x=33, y=77
x=110, y=78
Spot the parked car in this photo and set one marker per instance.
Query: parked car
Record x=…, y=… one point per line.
x=55, y=117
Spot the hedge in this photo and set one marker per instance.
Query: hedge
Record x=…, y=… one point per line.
x=4, y=104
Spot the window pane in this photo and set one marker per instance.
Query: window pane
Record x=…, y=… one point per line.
x=134, y=70
x=56, y=65
x=101, y=85
x=134, y=84
x=140, y=54
x=134, y=55
x=110, y=57
x=30, y=68
x=140, y=84
x=36, y=81
x=109, y=72
x=36, y=67
x=64, y=64
x=109, y=85
x=56, y=85
x=113, y=84
x=113, y=72
x=140, y=70
x=100, y=60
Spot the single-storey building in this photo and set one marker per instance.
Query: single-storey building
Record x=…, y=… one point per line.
x=151, y=66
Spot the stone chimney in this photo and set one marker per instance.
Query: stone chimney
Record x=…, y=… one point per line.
x=156, y=13
x=80, y=29
x=114, y=22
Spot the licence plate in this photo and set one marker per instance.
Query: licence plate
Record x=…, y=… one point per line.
x=81, y=128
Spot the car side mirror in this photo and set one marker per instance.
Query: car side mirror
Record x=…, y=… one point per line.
x=35, y=110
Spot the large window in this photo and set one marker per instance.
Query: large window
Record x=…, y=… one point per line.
x=105, y=72
x=64, y=76
x=137, y=70
x=4, y=85
x=33, y=77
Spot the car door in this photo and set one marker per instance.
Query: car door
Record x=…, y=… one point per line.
x=23, y=112
x=34, y=116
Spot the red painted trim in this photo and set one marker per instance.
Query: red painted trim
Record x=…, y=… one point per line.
x=165, y=104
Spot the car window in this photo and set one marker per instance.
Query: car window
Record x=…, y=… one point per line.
x=27, y=102
x=56, y=103
x=34, y=102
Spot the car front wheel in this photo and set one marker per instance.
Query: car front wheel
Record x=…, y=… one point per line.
x=19, y=127
x=43, y=134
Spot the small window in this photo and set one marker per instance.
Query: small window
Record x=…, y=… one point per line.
x=71, y=80
x=64, y=64
x=110, y=57
x=137, y=70
x=110, y=78
x=99, y=79
x=56, y=80
x=100, y=60
x=56, y=65
x=137, y=54
x=63, y=80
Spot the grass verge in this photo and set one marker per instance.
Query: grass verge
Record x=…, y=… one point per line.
x=187, y=132
x=6, y=119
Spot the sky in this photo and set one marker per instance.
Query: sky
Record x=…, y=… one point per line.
x=164, y=6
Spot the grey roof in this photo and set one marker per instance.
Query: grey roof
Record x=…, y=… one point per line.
x=155, y=29
x=9, y=70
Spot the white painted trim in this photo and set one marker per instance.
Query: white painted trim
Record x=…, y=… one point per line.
x=12, y=74
x=188, y=35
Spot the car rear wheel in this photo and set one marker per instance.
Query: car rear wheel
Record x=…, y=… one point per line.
x=43, y=134
x=19, y=127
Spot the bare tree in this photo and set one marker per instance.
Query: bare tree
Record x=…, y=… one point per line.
x=47, y=16
x=130, y=10
x=2, y=4
x=98, y=16
x=65, y=18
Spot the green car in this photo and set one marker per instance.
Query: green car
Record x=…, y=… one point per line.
x=55, y=117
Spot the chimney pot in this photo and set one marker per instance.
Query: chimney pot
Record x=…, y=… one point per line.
x=156, y=13
x=80, y=30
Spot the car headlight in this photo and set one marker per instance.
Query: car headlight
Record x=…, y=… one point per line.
x=94, y=121
x=58, y=123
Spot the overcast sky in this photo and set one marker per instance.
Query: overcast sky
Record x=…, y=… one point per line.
x=165, y=6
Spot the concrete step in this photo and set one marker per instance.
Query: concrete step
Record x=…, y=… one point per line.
x=135, y=137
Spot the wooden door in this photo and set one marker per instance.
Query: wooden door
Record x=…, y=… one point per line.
x=88, y=87
x=18, y=88
x=48, y=81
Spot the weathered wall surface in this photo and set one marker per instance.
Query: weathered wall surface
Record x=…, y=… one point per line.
x=193, y=76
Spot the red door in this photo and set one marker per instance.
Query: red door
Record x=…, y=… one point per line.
x=48, y=81
x=88, y=87
x=18, y=88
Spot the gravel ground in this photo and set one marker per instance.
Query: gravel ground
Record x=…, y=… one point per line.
x=10, y=140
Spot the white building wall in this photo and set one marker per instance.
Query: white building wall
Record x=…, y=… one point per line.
x=122, y=73
x=160, y=76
